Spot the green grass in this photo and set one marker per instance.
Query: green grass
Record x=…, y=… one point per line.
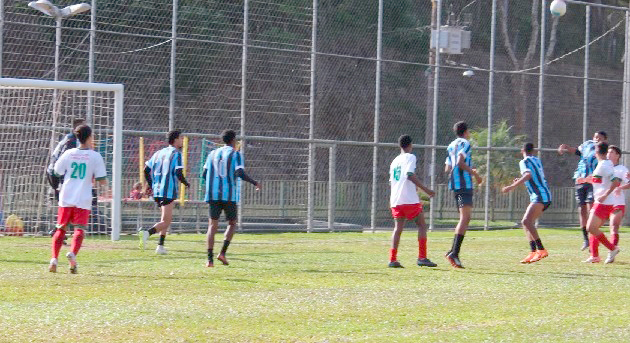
x=315, y=288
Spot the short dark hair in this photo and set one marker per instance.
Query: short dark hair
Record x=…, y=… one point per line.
x=603, y=133
x=82, y=132
x=459, y=128
x=602, y=148
x=173, y=135
x=404, y=141
x=228, y=136
x=77, y=121
x=615, y=148
x=528, y=147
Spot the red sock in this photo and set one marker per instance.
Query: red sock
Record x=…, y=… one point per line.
x=77, y=240
x=392, y=255
x=605, y=242
x=57, y=241
x=422, y=247
x=615, y=238
x=594, y=245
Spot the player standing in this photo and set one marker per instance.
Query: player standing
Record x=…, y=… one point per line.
x=79, y=166
x=405, y=203
x=223, y=166
x=163, y=172
x=533, y=176
x=585, y=167
x=604, y=183
x=459, y=167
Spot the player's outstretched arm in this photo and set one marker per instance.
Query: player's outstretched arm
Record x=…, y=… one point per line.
x=413, y=178
x=565, y=148
x=517, y=182
x=241, y=173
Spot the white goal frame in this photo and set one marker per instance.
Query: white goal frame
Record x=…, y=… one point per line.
x=118, y=90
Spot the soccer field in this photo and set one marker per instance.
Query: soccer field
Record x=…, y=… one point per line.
x=315, y=288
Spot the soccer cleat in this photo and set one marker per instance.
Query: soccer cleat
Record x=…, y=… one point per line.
x=585, y=246
x=209, y=264
x=611, y=255
x=223, y=259
x=529, y=257
x=425, y=262
x=161, y=250
x=540, y=254
x=454, y=261
x=73, y=262
x=592, y=259
x=52, y=267
x=143, y=235
x=395, y=264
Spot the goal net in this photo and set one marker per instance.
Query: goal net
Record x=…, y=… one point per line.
x=36, y=115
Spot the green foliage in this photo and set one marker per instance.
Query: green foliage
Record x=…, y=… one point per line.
x=504, y=164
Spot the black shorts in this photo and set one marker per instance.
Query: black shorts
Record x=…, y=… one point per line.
x=229, y=207
x=162, y=201
x=546, y=205
x=584, y=194
x=464, y=198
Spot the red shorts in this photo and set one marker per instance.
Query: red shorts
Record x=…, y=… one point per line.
x=602, y=211
x=621, y=208
x=73, y=216
x=407, y=211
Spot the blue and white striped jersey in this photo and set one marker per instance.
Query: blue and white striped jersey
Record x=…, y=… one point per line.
x=459, y=180
x=588, y=160
x=220, y=170
x=536, y=186
x=163, y=165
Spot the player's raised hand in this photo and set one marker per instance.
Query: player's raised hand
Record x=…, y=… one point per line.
x=562, y=148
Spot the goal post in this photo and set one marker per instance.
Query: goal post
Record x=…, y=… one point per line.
x=34, y=114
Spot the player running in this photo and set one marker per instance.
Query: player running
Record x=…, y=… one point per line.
x=585, y=167
x=163, y=172
x=221, y=172
x=78, y=166
x=533, y=176
x=459, y=167
x=405, y=203
x=604, y=183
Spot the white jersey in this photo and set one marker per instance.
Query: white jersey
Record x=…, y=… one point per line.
x=617, y=196
x=79, y=167
x=603, y=176
x=403, y=191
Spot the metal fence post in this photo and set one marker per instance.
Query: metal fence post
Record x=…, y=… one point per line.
x=311, y=130
x=377, y=114
x=332, y=186
x=587, y=42
x=436, y=95
x=243, y=98
x=1, y=33
x=490, y=111
x=90, y=98
x=171, y=106
x=541, y=77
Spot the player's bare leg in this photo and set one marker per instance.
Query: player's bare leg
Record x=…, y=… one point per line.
x=229, y=233
x=452, y=256
x=213, y=227
x=533, y=212
x=594, y=223
x=423, y=261
x=399, y=224
x=584, y=213
x=163, y=225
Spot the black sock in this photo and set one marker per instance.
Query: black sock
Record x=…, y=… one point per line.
x=152, y=231
x=539, y=244
x=226, y=244
x=209, y=254
x=585, y=234
x=162, y=238
x=457, y=243
x=532, y=245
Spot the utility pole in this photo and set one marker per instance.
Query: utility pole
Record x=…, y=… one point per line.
x=430, y=72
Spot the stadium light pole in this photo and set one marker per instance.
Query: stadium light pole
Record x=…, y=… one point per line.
x=58, y=14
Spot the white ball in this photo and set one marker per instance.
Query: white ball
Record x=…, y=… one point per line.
x=558, y=8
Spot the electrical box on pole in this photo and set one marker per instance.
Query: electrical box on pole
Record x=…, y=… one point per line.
x=452, y=39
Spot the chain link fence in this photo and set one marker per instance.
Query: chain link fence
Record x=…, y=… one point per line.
x=319, y=91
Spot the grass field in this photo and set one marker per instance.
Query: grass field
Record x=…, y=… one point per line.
x=315, y=288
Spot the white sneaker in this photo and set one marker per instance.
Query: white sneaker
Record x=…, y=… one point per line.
x=73, y=262
x=611, y=255
x=144, y=238
x=52, y=267
x=592, y=259
x=161, y=250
